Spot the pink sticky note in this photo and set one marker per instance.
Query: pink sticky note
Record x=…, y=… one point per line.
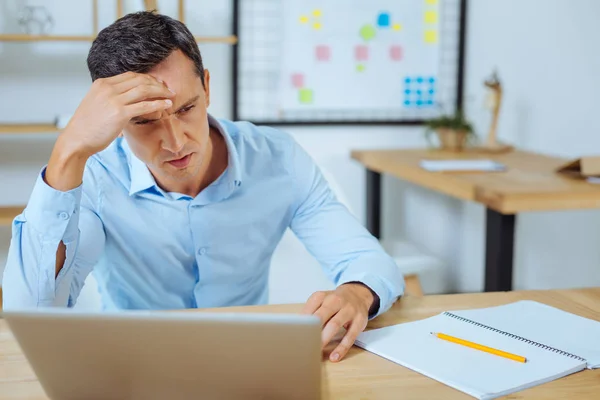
x=298, y=80
x=323, y=53
x=396, y=53
x=361, y=53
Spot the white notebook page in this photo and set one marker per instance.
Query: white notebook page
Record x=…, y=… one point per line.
x=477, y=373
x=548, y=325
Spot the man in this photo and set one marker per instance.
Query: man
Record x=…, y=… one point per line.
x=173, y=208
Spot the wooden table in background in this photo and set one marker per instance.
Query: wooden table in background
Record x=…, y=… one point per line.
x=362, y=375
x=530, y=183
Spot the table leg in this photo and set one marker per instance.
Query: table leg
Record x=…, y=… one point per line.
x=374, y=203
x=499, y=243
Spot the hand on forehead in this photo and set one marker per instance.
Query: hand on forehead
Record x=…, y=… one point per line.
x=177, y=73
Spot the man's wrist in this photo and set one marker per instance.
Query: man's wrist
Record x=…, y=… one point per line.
x=372, y=301
x=66, y=166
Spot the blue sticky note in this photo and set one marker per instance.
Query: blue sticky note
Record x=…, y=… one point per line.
x=420, y=80
x=431, y=91
x=383, y=20
x=407, y=91
x=419, y=92
x=407, y=80
x=431, y=80
x=407, y=102
x=430, y=102
x=419, y=103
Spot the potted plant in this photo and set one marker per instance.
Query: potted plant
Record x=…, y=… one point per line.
x=453, y=131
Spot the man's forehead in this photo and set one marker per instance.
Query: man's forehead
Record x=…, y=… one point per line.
x=175, y=70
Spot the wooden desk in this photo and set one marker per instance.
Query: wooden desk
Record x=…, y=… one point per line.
x=529, y=184
x=362, y=375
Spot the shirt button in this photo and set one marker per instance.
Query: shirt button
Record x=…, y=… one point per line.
x=202, y=251
x=63, y=215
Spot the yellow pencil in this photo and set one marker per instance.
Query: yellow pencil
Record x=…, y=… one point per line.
x=480, y=347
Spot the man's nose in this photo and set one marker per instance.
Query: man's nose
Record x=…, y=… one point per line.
x=173, y=138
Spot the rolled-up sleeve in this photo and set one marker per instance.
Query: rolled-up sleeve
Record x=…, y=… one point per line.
x=345, y=249
x=51, y=216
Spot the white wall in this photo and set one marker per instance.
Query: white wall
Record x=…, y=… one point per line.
x=546, y=54
x=546, y=57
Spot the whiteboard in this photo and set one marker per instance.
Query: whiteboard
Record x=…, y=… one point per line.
x=346, y=60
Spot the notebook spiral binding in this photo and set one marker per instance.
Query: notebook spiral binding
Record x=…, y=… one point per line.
x=520, y=338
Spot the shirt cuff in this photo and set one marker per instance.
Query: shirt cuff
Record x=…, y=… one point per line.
x=376, y=284
x=49, y=211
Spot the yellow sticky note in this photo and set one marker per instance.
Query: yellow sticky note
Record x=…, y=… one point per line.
x=317, y=25
x=431, y=37
x=396, y=27
x=431, y=17
x=432, y=2
x=303, y=19
x=317, y=13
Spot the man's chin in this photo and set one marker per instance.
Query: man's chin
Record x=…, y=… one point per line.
x=181, y=173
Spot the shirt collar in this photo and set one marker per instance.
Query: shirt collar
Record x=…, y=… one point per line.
x=233, y=171
x=142, y=179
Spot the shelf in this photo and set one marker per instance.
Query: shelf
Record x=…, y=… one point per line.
x=90, y=38
x=8, y=214
x=27, y=128
x=45, y=38
x=232, y=39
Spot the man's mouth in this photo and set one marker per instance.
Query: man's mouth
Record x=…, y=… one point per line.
x=181, y=162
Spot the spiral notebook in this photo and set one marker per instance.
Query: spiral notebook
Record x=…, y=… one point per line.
x=555, y=343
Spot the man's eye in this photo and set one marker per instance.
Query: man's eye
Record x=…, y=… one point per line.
x=143, y=122
x=184, y=110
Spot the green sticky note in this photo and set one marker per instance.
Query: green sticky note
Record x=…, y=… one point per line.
x=360, y=68
x=306, y=96
x=368, y=32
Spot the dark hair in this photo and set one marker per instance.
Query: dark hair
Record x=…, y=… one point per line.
x=138, y=42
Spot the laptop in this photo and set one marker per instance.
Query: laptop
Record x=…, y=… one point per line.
x=170, y=355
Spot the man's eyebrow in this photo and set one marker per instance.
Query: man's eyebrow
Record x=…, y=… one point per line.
x=140, y=119
x=187, y=103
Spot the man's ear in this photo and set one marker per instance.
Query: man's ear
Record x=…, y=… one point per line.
x=207, y=87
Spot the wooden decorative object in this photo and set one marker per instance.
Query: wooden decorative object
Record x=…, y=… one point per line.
x=151, y=5
x=95, y=16
x=495, y=100
x=119, y=8
x=181, y=13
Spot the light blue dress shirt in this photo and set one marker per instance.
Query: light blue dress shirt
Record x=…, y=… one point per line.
x=151, y=249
